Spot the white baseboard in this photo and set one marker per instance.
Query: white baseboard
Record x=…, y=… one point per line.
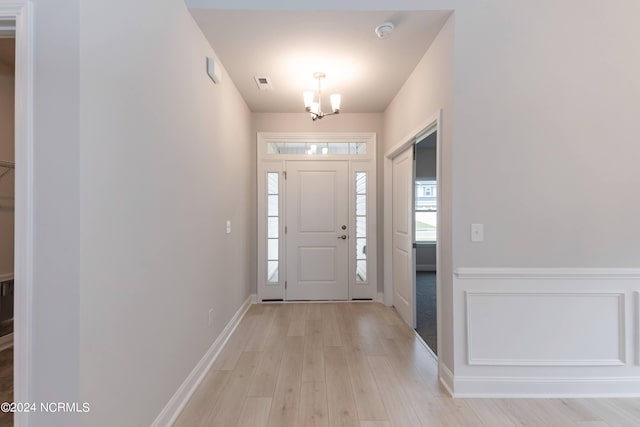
x=178, y=401
x=446, y=378
x=513, y=387
x=6, y=341
x=380, y=297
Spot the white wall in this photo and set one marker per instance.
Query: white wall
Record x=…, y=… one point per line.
x=547, y=106
x=165, y=160
x=55, y=353
x=7, y=146
x=301, y=122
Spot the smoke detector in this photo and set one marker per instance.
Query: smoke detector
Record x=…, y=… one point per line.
x=263, y=82
x=384, y=30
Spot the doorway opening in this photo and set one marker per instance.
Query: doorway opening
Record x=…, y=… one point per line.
x=426, y=241
x=406, y=228
x=7, y=210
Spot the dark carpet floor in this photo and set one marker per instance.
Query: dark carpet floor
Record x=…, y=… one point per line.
x=426, y=308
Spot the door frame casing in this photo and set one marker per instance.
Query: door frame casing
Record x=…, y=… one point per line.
x=22, y=12
x=433, y=123
x=277, y=163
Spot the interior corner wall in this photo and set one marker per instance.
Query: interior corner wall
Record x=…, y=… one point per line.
x=7, y=153
x=301, y=122
x=54, y=354
x=165, y=161
x=428, y=90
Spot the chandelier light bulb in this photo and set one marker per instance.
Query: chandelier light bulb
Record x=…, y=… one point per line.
x=308, y=99
x=335, y=102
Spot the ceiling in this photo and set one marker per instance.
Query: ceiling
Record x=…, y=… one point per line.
x=289, y=46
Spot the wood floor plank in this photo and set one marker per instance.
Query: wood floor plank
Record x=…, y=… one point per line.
x=263, y=383
x=277, y=335
x=592, y=424
x=610, y=412
x=313, y=405
x=229, y=407
x=314, y=311
x=228, y=357
x=368, y=400
x=340, y=400
x=375, y=424
x=536, y=412
x=492, y=412
x=259, y=333
x=371, y=345
x=396, y=402
x=198, y=410
x=330, y=331
x=297, y=323
x=255, y=412
x=286, y=398
x=313, y=363
x=346, y=325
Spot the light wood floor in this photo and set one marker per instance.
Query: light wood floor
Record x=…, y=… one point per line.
x=357, y=364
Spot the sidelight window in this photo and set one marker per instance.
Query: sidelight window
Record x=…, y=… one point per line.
x=273, y=226
x=361, y=226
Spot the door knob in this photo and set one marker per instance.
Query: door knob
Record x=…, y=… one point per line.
x=343, y=237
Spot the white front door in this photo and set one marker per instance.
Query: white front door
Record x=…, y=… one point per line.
x=402, y=227
x=317, y=212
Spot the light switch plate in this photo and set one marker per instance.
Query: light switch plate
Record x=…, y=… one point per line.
x=477, y=232
x=228, y=227
x=213, y=69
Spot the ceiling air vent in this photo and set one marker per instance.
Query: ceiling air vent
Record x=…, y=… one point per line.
x=263, y=82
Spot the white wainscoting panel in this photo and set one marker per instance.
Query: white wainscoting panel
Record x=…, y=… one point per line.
x=537, y=329
x=545, y=332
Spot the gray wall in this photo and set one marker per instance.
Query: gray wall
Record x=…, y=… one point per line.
x=165, y=159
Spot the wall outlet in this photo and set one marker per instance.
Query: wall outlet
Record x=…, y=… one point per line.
x=210, y=316
x=477, y=232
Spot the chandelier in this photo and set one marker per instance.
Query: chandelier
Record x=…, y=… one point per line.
x=315, y=107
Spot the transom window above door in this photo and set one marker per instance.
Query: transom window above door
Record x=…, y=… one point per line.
x=317, y=148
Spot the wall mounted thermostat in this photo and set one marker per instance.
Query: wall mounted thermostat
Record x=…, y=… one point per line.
x=213, y=69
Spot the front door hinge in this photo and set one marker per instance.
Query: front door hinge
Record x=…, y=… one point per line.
x=285, y=284
x=285, y=229
x=284, y=173
x=414, y=151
